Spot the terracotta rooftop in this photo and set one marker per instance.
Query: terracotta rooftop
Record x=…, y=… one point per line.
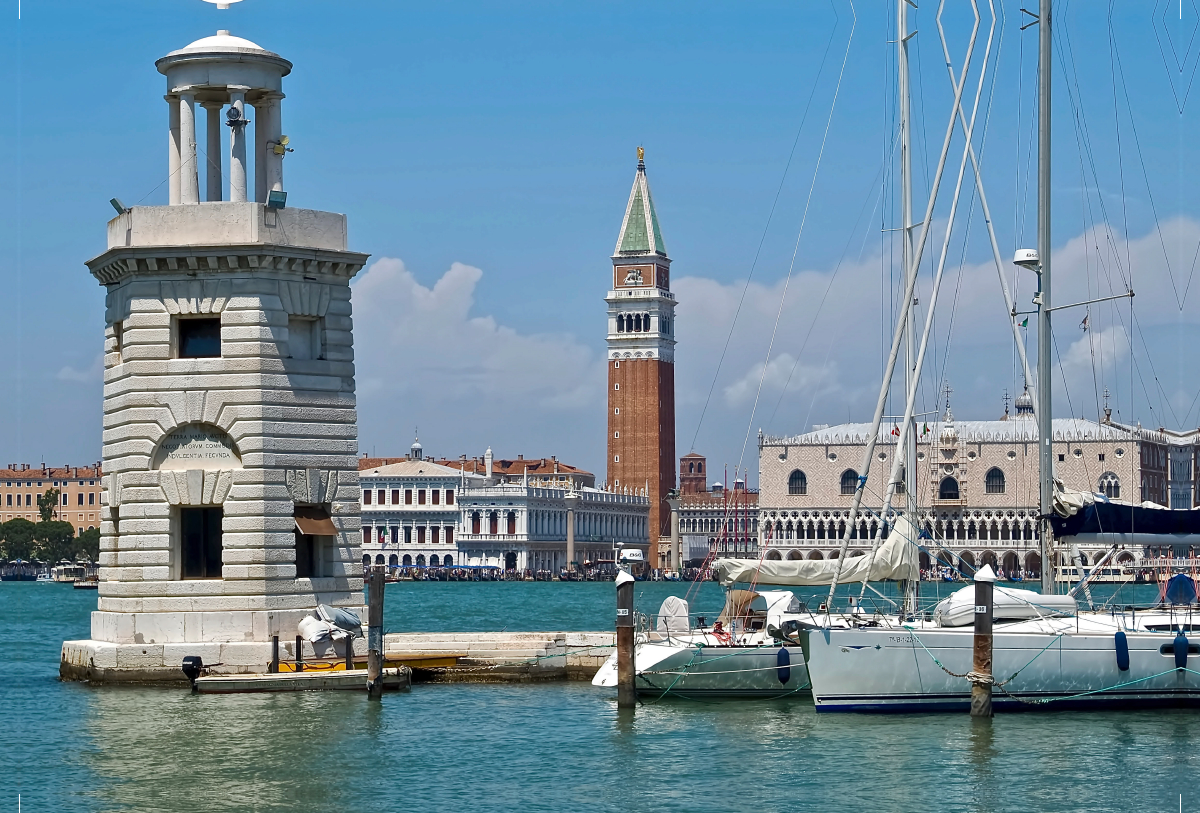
x=536, y=466
x=23, y=471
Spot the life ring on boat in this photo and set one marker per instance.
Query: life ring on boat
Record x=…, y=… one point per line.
x=719, y=632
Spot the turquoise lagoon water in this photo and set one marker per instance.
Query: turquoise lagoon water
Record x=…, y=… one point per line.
x=556, y=747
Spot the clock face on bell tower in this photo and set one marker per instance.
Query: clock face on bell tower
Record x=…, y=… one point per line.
x=641, y=361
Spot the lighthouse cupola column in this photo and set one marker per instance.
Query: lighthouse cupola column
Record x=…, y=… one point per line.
x=237, y=144
x=224, y=74
x=641, y=359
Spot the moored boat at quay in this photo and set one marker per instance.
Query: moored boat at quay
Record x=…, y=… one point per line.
x=751, y=651
x=1059, y=658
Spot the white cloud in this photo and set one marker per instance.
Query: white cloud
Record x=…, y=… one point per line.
x=783, y=374
x=94, y=372
x=426, y=356
x=424, y=359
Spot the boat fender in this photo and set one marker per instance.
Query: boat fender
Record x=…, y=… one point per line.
x=783, y=664
x=1181, y=650
x=1122, y=643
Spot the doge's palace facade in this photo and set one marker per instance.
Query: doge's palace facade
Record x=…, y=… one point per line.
x=977, y=484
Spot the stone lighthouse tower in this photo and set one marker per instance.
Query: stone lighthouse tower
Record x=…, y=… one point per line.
x=230, y=432
x=641, y=360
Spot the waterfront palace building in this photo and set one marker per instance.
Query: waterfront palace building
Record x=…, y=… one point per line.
x=483, y=511
x=978, y=483
x=719, y=521
x=78, y=486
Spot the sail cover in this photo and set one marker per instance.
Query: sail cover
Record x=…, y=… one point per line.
x=896, y=558
x=1095, y=518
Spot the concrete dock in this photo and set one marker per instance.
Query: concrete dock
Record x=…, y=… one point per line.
x=500, y=657
x=344, y=680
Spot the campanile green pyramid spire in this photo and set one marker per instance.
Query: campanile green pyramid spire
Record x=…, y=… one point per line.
x=640, y=233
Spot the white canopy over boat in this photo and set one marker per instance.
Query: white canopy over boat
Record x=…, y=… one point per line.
x=896, y=559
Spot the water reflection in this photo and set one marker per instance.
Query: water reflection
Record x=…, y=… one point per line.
x=167, y=750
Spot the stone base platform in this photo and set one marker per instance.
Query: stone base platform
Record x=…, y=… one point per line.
x=103, y=662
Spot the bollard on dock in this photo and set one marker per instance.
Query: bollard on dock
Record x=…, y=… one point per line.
x=981, y=667
x=375, y=585
x=626, y=693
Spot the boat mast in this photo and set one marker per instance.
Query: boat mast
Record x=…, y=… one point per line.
x=910, y=437
x=1045, y=341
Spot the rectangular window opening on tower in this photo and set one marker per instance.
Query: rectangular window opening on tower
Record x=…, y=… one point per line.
x=198, y=338
x=200, y=543
x=313, y=533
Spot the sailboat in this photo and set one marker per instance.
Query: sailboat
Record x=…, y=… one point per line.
x=1047, y=652
x=752, y=650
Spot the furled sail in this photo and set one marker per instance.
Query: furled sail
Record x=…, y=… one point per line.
x=896, y=558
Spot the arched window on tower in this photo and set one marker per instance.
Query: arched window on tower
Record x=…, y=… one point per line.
x=645, y=321
x=620, y=323
x=948, y=489
x=1110, y=485
x=849, y=481
x=994, y=481
x=797, y=483
x=637, y=323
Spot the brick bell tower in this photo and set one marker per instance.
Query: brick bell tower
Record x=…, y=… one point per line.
x=641, y=360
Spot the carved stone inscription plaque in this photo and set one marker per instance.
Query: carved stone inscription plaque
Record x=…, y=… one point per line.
x=196, y=446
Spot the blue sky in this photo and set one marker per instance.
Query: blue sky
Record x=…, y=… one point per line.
x=484, y=152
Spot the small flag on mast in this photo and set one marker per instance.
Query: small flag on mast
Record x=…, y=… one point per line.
x=1025, y=322
x=1084, y=324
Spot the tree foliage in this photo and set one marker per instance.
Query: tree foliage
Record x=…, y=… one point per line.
x=48, y=504
x=18, y=538
x=55, y=540
x=87, y=544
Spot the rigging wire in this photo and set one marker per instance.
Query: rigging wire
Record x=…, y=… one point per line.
x=770, y=217
x=1084, y=143
x=800, y=233
x=1116, y=50
x=987, y=117
x=833, y=277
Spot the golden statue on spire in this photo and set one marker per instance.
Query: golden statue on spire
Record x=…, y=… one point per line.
x=641, y=153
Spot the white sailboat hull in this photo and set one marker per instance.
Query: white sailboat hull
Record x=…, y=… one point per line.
x=892, y=669
x=680, y=669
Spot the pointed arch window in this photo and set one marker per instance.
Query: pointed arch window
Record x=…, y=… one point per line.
x=994, y=481
x=797, y=483
x=849, y=481
x=1110, y=485
x=948, y=489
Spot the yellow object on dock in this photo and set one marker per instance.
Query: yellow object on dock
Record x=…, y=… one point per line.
x=413, y=660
